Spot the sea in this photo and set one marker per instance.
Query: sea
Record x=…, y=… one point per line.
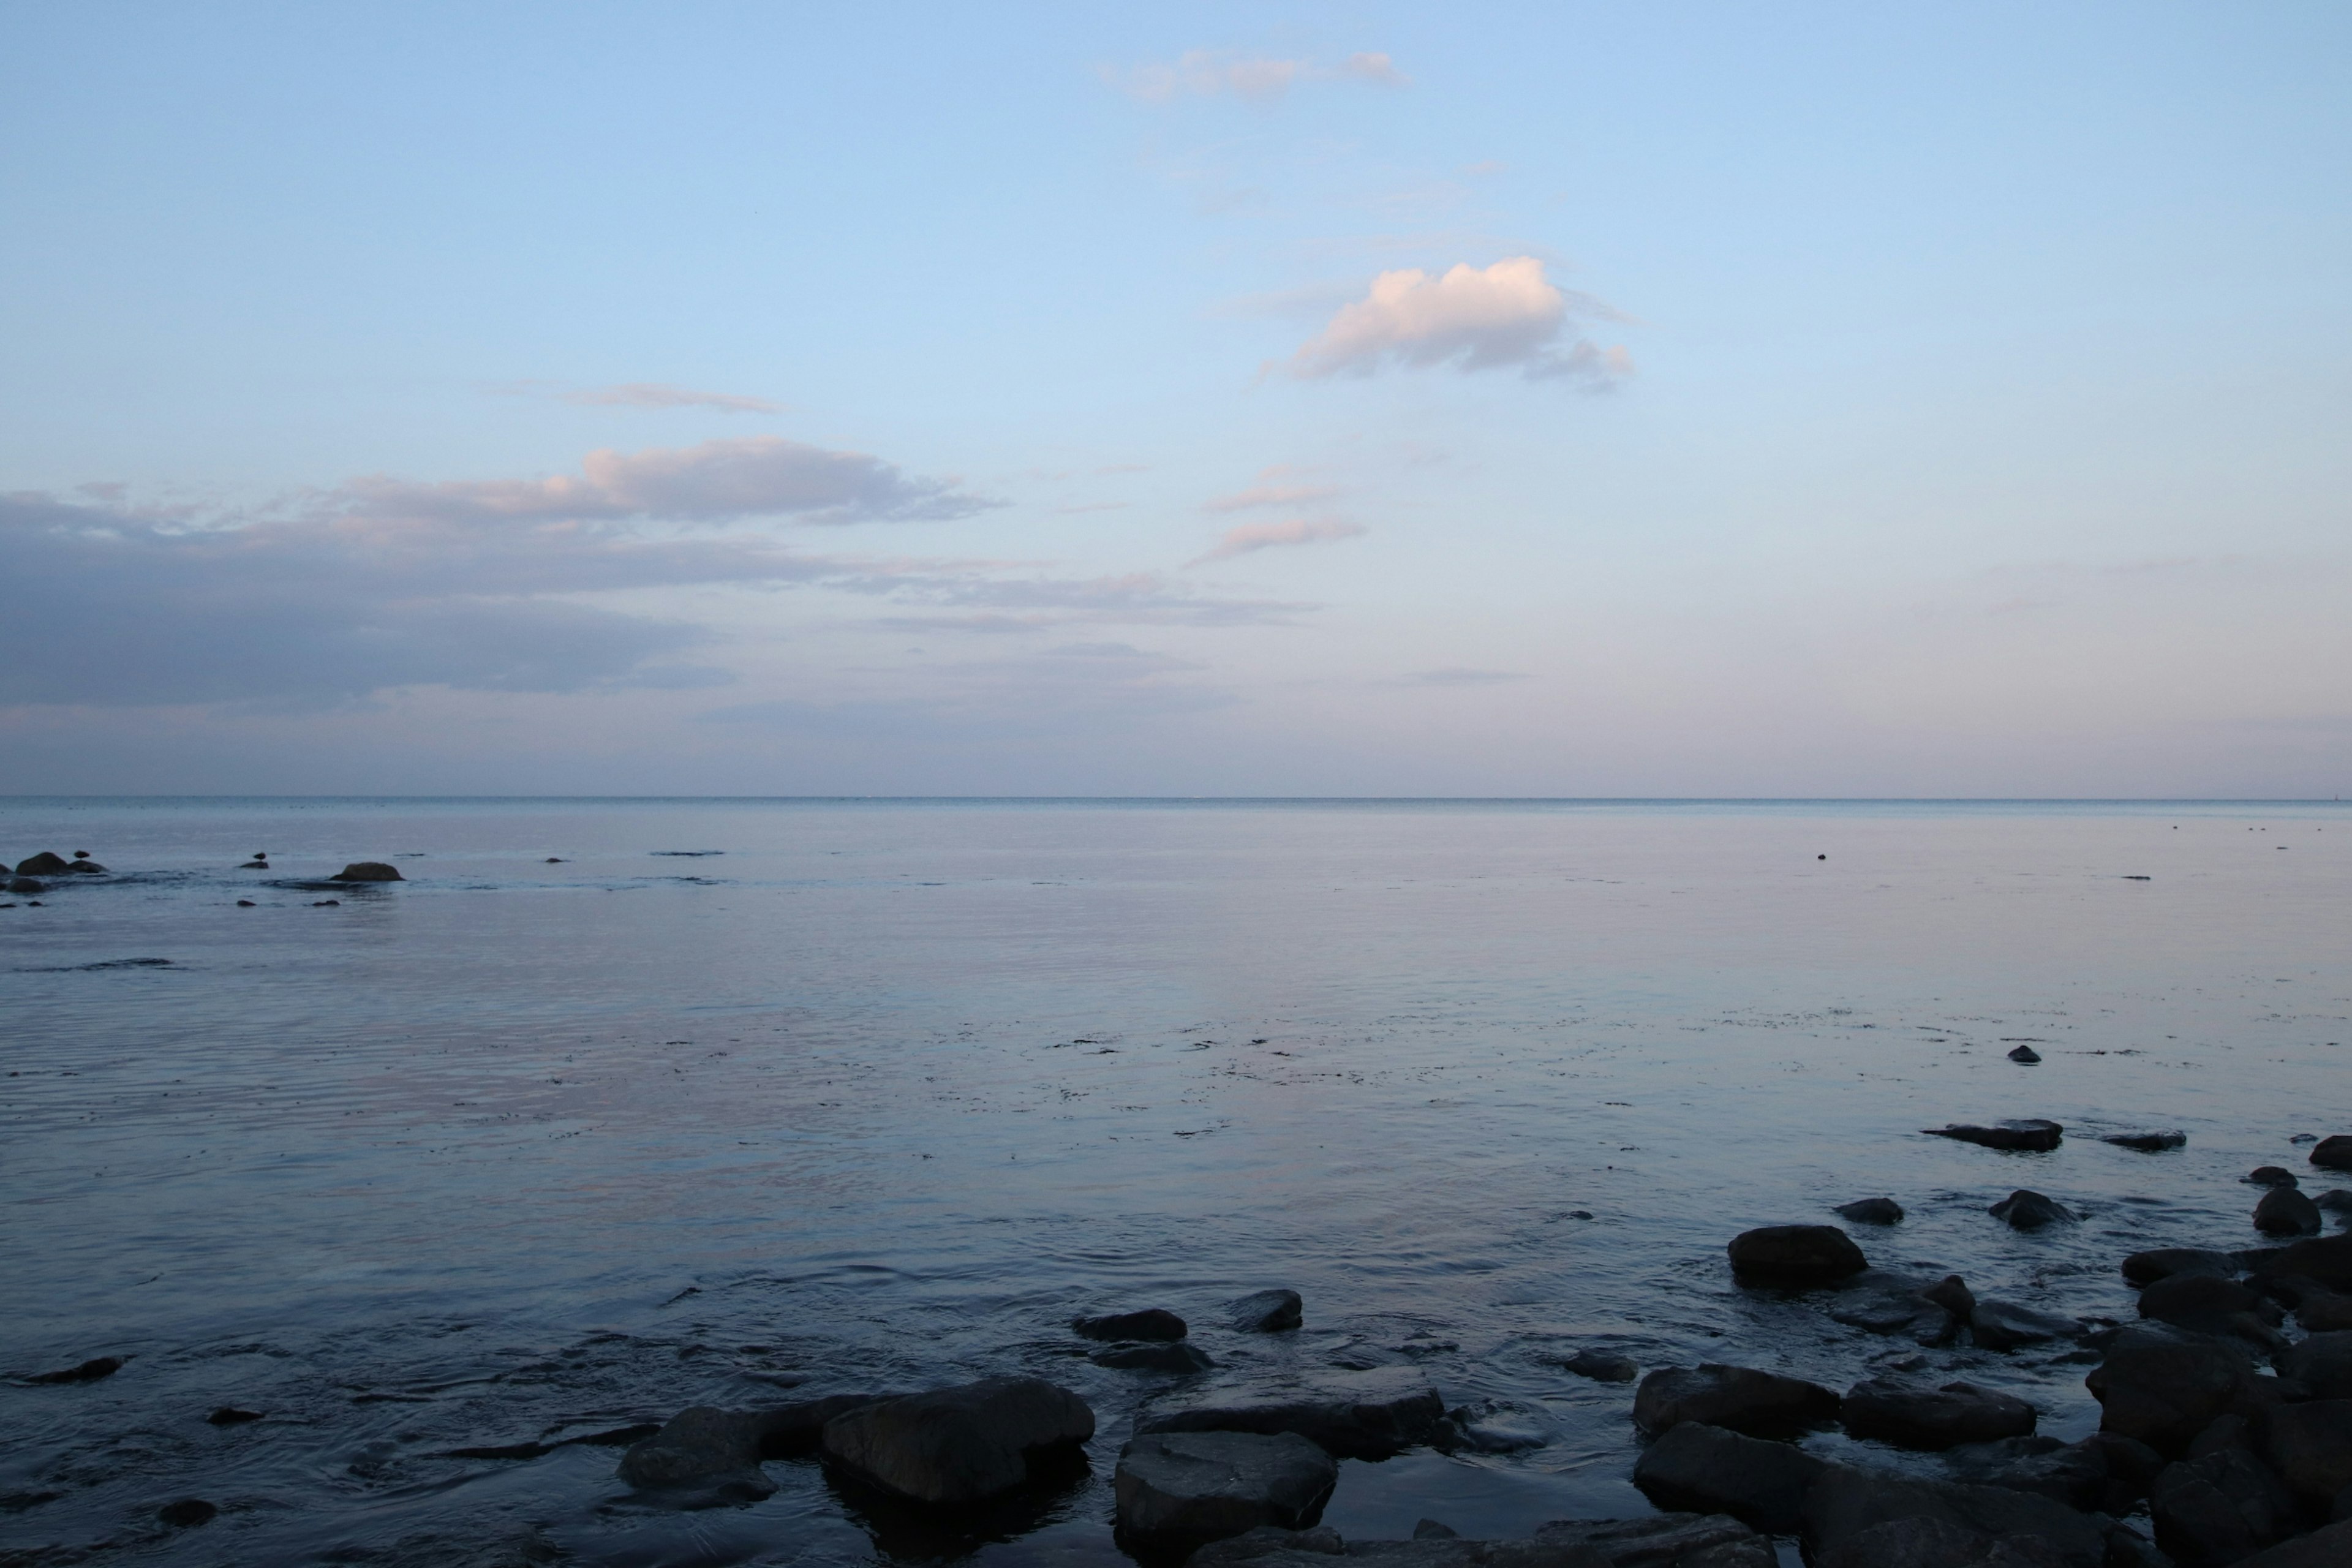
x=610, y=1108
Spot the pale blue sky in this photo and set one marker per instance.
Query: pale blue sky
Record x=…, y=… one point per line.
x=1832, y=402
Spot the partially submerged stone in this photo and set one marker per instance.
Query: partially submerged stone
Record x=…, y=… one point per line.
x=1603, y=1367
x=2152, y=1142
x=2027, y=1210
x=2163, y=1262
x=1761, y=1403
x=1174, y=1358
x=1266, y=1313
x=367, y=871
x=1933, y=1419
x=2030, y=1134
x=959, y=1445
x=1358, y=1416
x=1795, y=1255
x=2286, y=1212
x=1205, y=1485
x=1152, y=1323
x=1712, y=1470
x=1870, y=1211
x=702, y=1447
x=2006, y=1326
x=2333, y=1154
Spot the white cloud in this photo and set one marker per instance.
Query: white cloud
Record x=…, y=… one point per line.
x=660, y=394
x=1271, y=495
x=1505, y=315
x=1254, y=536
x=760, y=476
x=1256, y=78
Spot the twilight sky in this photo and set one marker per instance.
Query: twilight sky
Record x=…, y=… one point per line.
x=1352, y=399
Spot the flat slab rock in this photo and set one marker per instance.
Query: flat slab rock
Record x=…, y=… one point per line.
x=1358, y=1415
x=958, y=1445
x=1739, y=1398
x=2030, y=1134
x=1714, y=1471
x=1933, y=1419
x=2005, y=1326
x=1662, y=1540
x=1797, y=1255
x=1207, y=1485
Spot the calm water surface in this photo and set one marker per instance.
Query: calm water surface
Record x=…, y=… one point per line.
x=863, y=1094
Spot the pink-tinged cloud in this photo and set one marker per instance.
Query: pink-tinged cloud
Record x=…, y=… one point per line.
x=1506, y=315
x=1271, y=495
x=1256, y=536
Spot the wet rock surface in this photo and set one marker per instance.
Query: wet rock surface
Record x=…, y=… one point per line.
x=1872, y=1211
x=1364, y=1415
x=1936, y=1418
x=1741, y=1399
x=2031, y=1134
x=1205, y=1485
x=1266, y=1313
x=1795, y=1255
x=959, y=1445
x=1155, y=1323
x=2028, y=1210
x=1700, y=1469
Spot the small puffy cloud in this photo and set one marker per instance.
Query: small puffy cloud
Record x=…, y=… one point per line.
x=1271, y=495
x=1506, y=315
x=1256, y=536
x=660, y=394
x=760, y=476
x=1256, y=78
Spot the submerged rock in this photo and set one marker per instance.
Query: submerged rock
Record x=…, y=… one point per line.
x=959, y=1445
x=368, y=871
x=2148, y=1142
x=703, y=1447
x=90, y=1370
x=1795, y=1255
x=1358, y=1415
x=1152, y=1323
x=1870, y=1211
x=2026, y=1210
x=2285, y=1212
x=46, y=864
x=2164, y=1262
x=2006, y=1326
x=1886, y=1303
x=1711, y=1470
x=1603, y=1367
x=1169, y=1357
x=1933, y=1419
x=1266, y=1313
x=2026, y=1053
x=2271, y=1176
x=1761, y=1403
x=1205, y=1485
x=187, y=1514
x=2030, y=1134
x=2334, y=1154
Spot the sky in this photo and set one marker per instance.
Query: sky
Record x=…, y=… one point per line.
x=1676, y=399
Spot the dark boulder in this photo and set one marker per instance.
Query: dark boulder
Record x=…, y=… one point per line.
x=1761, y=1403
x=1206, y=1485
x=2321, y=1364
x=1795, y=1255
x=2328, y=1548
x=1845, y=1503
x=2072, y=1473
x=2162, y=1387
x=1433, y=1529
x=1709, y=1469
x=795, y=1430
x=2329, y=1153
x=230, y=1416
x=2285, y=1212
x=2132, y=1469
x=46, y=864
x=1933, y=1419
x=2310, y=1445
x=2032, y=1134
x=2321, y=1311
x=1922, y=1543
x=2006, y=1326
x=1886, y=1303
x=1603, y=1367
x=1358, y=1415
x=2026, y=1053
x=2271, y=1176
x=1163, y=1357
x=90, y=1370
x=1661, y=1541
x=1152, y=1323
x=2025, y=1210
x=2219, y=1508
x=1870, y=1211
x=959, y=1445
x=2203, y=1303
x=2326, y=1259
x=702, y=1448
x=367, y=871
x=2148, y=1142
x=2164, y=1262
x=1266, y=1313
x=2334, y=1200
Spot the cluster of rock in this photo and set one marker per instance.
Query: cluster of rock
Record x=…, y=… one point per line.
x=26, y=877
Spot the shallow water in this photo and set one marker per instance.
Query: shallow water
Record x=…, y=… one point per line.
x=878, y=1094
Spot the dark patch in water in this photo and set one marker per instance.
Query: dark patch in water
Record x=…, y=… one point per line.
x=689, y=854
x=102, y=964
